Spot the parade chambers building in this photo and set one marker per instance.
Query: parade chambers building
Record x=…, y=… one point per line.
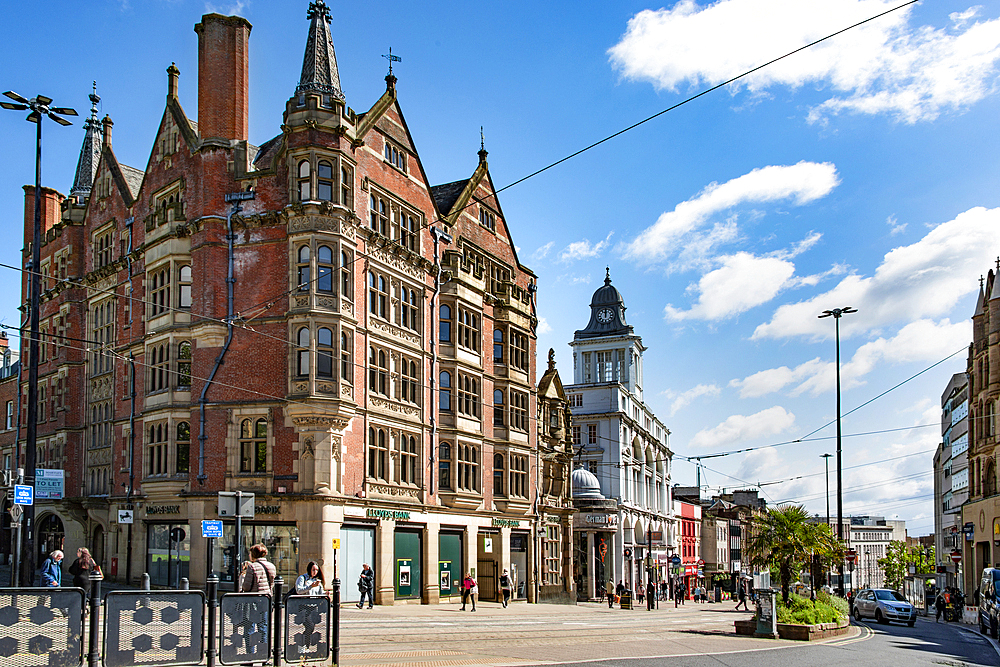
x=353, y=345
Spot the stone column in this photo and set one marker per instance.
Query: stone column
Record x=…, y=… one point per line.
x=432, y=576
x=504, y=550
x=331, y=519
x=199, y=547
x=591, y=566
x=471, y=551
x=385, y=555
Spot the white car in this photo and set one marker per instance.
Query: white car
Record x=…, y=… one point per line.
x=884, y=606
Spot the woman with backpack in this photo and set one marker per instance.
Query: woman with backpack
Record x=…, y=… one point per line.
x=81, y=569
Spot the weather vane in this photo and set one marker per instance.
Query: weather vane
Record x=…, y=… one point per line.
x=392, y=59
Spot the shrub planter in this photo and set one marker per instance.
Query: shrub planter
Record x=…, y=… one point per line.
x=807, y=633
x=747, y=627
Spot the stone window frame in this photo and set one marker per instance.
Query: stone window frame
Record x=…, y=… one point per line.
x=499, y=408
x=158, y=286
x=467, y=456
x=468, y=326
x=408, y=450
x=519, y=344
x=102, y=332
x=445, y=453
x=307, y=179
x=468, y=395
x=519, y=402
x=379, y=291
x=251, y=443
x=499, y=474
x=378, y=447
x=391, y=217
x=379, y=362
x=312, y=352
x=158, y=365
x=487, y=218
x=410, y=389
x=394, y=155
x=552, y=563
x=102, y=241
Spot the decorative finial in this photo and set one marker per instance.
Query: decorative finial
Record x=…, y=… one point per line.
x=482, y=143
x=607, y=275
x=981, y=282
x=392, y=59
x=998, y=263
x=552, y=358
x=318, y=9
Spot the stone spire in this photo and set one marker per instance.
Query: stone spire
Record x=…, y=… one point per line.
x=90, y=153
x=319, y=66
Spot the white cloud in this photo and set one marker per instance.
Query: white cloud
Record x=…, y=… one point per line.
x=895, y=227
x=739, y=428
x=760, y=464
x=584, y=249
x=885, y=66
x=921, y=280
x=800, y=184
x=923, y=340
x=684, y=399
x=543, y=251
x=229, y=9
x=743, y=281
x=543, y=327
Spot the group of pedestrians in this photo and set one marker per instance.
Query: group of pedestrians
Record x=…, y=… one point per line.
x=949, y=598
x=80, y=569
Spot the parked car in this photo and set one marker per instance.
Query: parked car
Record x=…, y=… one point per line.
x=988, y=604
x=884, y=606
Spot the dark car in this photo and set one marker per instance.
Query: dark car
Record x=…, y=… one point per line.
x=988, y=604
x=884, y=605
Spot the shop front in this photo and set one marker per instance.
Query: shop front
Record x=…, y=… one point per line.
x=357, y=547
x=408, y=583
x=451, y=565
x=593, y=559
x=519, y=542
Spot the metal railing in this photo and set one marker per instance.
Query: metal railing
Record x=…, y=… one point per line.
x=45, y=627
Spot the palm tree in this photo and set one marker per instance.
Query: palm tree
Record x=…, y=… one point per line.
x=786, y=538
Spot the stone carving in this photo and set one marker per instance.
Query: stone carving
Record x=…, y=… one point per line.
x=313, y=223
x=302, y=301
x=335, y=453
x=347, y=308
x=414, y=270
x=396, y=332
x=328, y=302
x=326, y=388
x=393, y=406
x=300, y=387
x=313, y=422
x=101, y=388
x=395, y=491
x=347, y=391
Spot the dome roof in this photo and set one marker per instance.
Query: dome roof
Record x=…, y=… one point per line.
x=585, y=484
x=607, y=294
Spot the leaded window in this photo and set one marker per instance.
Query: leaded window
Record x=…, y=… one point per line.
x=253, y=446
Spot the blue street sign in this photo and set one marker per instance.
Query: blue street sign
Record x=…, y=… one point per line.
x=675, y=559
x=24, y=494
x=211, y=529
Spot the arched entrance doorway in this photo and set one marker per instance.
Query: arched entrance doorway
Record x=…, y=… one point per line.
x=50, y=536
x=97, y=545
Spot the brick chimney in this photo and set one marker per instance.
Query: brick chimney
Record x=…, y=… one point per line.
x=223, y=77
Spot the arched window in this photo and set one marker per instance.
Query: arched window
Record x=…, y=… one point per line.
x=253, y=446
x=444, y=466
x=499, y=469
x=302, y=368
x=324, y=353
x=304, y=191
x=378, y=453
x=324, y=181
x=407, y=459
x=346, y=370
x=498, y=408
x=346, y=185
x=444, y=323
x=408, y=308
x=324, y=269
x=445, y=381
x=304, y=277
x=183, y=447
x=184, y=285
x=345, y=275
x=184, y=364
x=498, y=346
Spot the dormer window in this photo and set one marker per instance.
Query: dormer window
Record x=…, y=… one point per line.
x=395, y=157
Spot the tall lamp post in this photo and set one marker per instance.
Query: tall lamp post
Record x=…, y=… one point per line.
x=39, y=106
x=836, y=313
x=826, y=460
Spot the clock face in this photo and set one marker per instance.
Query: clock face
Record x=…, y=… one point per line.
x=605, y=315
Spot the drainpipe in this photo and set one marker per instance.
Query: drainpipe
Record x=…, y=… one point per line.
x=131, y=417
x=439, y=237
x=235, y=198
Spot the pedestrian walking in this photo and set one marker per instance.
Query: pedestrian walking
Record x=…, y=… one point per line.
x=366, y=585
x=258, y=577
x=506, y=588
x=939, y=605
x=81, y=569
x=469, y=590
x=310, y=582
x=610, y=590
x=52, y=570
x=743, y=598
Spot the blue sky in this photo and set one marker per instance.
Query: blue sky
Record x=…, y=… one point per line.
x=860, y=173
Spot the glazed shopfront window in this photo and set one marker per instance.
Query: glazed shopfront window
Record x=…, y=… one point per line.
x=168, y=553
x=281, y=540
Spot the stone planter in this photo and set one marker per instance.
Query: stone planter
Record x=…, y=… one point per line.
x=807, y=633
x=747, y=627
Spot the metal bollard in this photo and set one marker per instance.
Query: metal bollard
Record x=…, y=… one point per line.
x=145, y=581
x=279, y=605
x=94, y=653
x=213, y=606
x=185, y=584
x=335, y=611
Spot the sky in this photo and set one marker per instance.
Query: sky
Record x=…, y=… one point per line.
x=860, y=172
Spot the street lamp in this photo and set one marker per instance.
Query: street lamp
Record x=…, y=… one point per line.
x=39, y=106
x=836, y=314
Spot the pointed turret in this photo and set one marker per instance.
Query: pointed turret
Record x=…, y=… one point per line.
x=90, y=152
x=981, y=300
x=319, y=66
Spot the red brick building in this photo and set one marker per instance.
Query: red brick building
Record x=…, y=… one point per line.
x=305, y=348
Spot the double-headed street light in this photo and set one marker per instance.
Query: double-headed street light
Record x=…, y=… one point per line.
x=836, y=313
x=39, y=106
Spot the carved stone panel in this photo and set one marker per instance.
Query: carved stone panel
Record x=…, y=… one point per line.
x=399, y=263
x=394, y=407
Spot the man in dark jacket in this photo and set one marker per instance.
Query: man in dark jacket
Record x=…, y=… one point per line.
x=366, y=585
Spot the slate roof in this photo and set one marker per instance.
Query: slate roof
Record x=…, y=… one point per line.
x=90, y=152
x=447, y=194
x=267, y=151
x=133, y=177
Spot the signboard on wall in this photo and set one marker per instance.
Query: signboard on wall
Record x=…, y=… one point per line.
x=49, y=483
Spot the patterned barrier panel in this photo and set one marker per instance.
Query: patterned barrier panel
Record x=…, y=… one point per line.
x=246, y=621
x=154, y=628
x=41, y=627
x=307, y=628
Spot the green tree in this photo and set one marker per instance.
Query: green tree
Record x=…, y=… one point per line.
x=787, y=538
x=898, y=558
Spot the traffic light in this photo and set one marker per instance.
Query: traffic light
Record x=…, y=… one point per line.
x=628, y=552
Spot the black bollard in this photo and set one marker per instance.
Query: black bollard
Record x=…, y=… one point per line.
x=185, y=584
x=335, y=612
x=94, y=654
x=213, y=605
x=279, y=604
